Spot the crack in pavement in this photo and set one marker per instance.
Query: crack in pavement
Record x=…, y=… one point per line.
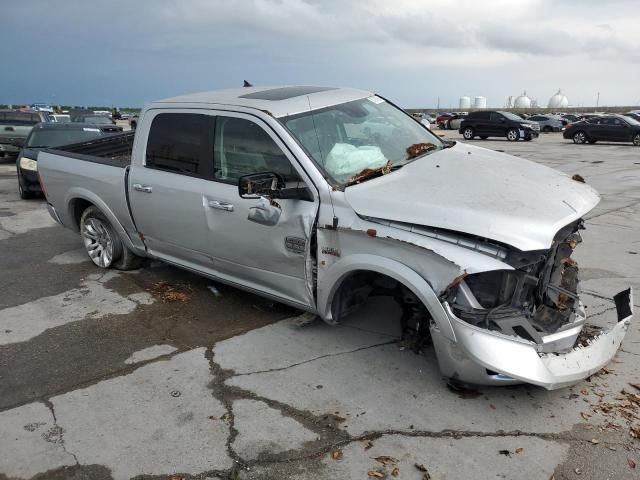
x=328, y=355
x=46, y=397
x=58, y=430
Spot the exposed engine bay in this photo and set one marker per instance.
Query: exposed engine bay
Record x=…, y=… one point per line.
x=538, y=298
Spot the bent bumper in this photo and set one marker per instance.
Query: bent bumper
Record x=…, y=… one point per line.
x=485, y=357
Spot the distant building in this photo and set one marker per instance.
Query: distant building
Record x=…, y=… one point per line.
x=558, y=100
x=465, y=103
x=480, y=102
x=522, y=101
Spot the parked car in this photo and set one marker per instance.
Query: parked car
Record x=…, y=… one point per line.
x=105, y=122
x=48, y=135
x=309, y=210
x=420, y=117
x=634, y=115
x=41, y=107
x=59, y=118
x=548, y=123
x=124, y=115
x=570, y=117
x=608, y=128
x=485, y=124
x=454, y=122
x=15, y=127
x=441, y=119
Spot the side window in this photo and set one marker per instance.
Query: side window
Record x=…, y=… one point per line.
x=616, y=121
x=242, y=147
x=181, y=143
x=496, y=117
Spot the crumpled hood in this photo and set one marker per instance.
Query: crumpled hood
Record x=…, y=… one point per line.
x=480, y=192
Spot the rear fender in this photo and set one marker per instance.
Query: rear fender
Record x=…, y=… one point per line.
x=76, y=193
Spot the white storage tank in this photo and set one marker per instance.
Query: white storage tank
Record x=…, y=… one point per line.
x=522, y=101
x=480, y=102
x=465, y=103
x=558, y=100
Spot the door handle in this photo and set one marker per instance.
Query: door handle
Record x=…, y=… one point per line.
x=142, y=188
x=220, y=205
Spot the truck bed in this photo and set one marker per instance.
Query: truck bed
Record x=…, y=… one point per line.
x=95, y=171
x=114, y=150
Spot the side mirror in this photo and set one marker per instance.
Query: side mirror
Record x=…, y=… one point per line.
x=258, y=185
x=270, y=185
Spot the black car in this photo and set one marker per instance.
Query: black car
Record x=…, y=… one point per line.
x=608, y=128
x=48, y=135
x=487, y=124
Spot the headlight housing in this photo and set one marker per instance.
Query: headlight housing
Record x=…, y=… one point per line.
x=28, y=164
x=526, y=125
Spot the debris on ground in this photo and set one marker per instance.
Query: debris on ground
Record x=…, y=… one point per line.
x=519, y=450
x=506, y=453
x=376, y=474
x=368, y=445
x=631, y=462
x=386, y=460
x=337, y=454
x=396, y=471
x=624, y=407
x=168, y=293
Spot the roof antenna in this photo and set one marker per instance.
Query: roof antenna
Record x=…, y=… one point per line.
x=247, y=84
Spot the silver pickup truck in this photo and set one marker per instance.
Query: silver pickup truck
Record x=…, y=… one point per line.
x=320, y=197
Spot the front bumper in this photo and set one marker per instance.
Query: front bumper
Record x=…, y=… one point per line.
x=480, y=356
x=29, y=180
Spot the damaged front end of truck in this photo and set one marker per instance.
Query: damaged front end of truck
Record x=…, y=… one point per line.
x=526, y=324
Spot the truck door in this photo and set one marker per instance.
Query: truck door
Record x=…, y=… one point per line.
x=165, y=188
x=276, y=258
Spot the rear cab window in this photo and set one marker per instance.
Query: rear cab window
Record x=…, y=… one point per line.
x=181, y=143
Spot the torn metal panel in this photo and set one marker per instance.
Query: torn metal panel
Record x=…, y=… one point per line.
x=506, y=358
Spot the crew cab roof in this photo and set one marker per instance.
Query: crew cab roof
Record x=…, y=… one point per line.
x=279, y=101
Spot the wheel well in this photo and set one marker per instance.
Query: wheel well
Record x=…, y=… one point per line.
x=356, y=287
x=78, y=205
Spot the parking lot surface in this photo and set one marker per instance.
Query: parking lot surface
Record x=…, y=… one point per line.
x=158, y=373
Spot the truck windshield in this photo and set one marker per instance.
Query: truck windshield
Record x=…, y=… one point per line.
x=354, y=139
x=58, y=137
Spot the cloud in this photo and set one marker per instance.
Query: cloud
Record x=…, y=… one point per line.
x=141, y=50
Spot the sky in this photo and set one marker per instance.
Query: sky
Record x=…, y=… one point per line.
x=414, y=52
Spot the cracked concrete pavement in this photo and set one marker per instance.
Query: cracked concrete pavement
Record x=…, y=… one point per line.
x=102, y=378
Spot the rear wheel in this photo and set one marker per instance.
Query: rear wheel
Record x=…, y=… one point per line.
x=579, y=137
x=636, y=139
x=468, y=133
x=513, y=135
x=103, y=244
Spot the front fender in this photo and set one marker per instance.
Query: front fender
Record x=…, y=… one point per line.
x=333, y=277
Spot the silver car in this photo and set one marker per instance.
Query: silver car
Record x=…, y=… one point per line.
x=548, y=123
x=320, y=197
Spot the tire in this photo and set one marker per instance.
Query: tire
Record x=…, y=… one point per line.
x=636, y=140
x=24, y=194
x=103, y=244
x=468, y=133
x=513, y=135
x=483, y=137
x=134, y=125
x=547, y=129
x=579, y=137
